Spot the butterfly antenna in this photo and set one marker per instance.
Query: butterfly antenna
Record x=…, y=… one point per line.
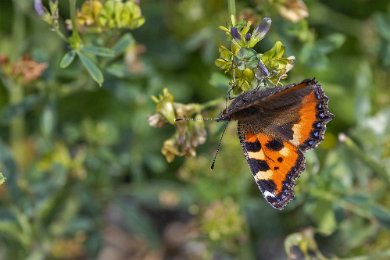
x=218, y=147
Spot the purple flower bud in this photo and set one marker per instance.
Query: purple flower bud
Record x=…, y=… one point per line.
x=248, y=37
x=262, y=70
x=261, y=30
x=39, y=7
x=235, y=34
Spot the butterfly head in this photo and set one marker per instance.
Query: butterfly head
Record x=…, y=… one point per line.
x=224, y=116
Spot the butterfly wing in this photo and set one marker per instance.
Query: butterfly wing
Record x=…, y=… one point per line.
x=275, y=165
x=285, y=124
x=302, y=112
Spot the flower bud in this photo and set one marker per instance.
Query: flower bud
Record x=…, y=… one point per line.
x=262, y=29
x=235, y=34
x=39, y=7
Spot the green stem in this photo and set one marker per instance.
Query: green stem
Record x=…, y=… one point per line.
x=17, y=126
x=72, y=6
x=211, y=103
x=232, y=11
x=60, y=34
x=75, y=39
x=18, y=31
x=322, y=195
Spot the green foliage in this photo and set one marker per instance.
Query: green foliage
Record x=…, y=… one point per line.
x=82, y=174
x=2, y=178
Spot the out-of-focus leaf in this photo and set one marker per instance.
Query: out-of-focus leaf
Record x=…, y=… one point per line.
x=219, y=80
x=67, y=59
x=92, y=69
x=381, y=214
x=325, y=217
x=314, y=54
x=10, y=173
x=360, y=199
x=28, y=103
x=12, y=230
x=2, y=178
x=123, y=43
x=150, y=195
x=99, y=51
x=140, y=224
x=370, y=160
x=330, y=43
x=383, y=25
x=363, y=89
x=53, y=205
x=198, y=39
x=355, y=231
x=48, y=119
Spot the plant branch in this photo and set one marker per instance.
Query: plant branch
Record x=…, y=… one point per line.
x=232, y=11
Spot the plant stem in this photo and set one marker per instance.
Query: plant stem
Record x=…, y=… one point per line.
x=211, y=103
x=17, y=124
x=72, y=9
x=75, y=39
x=232, y=11
x=60, y=34
x=342, y=203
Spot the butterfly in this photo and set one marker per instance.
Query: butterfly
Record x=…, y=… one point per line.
x=275, y=127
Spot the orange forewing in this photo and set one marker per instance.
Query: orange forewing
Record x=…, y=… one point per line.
x=307, y=116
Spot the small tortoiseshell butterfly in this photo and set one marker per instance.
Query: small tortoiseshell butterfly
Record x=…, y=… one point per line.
x=275, y=126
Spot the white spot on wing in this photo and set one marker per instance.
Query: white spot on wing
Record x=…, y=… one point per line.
x=268, y=194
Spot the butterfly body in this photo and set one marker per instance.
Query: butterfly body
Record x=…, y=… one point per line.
x=275, y=126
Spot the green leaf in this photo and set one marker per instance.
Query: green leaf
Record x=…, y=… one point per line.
x=382, y=23
x=2, y=178
x=92, y=69
x=219, y=80
x=325, y=218
x=99, y=51
x=381, y=214
x=123, y=43
x=11, y=230
x=331, y=42
x=247, y=59
x=67, y=59
x=363, y=79
x=275, y=52
x=140, y=224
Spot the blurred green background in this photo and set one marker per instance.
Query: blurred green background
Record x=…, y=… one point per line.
x=85, y=177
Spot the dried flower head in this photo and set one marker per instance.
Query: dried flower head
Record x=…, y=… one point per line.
x=25, y=69
x=28, y=69
x=293, y=10
x=189, y=133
